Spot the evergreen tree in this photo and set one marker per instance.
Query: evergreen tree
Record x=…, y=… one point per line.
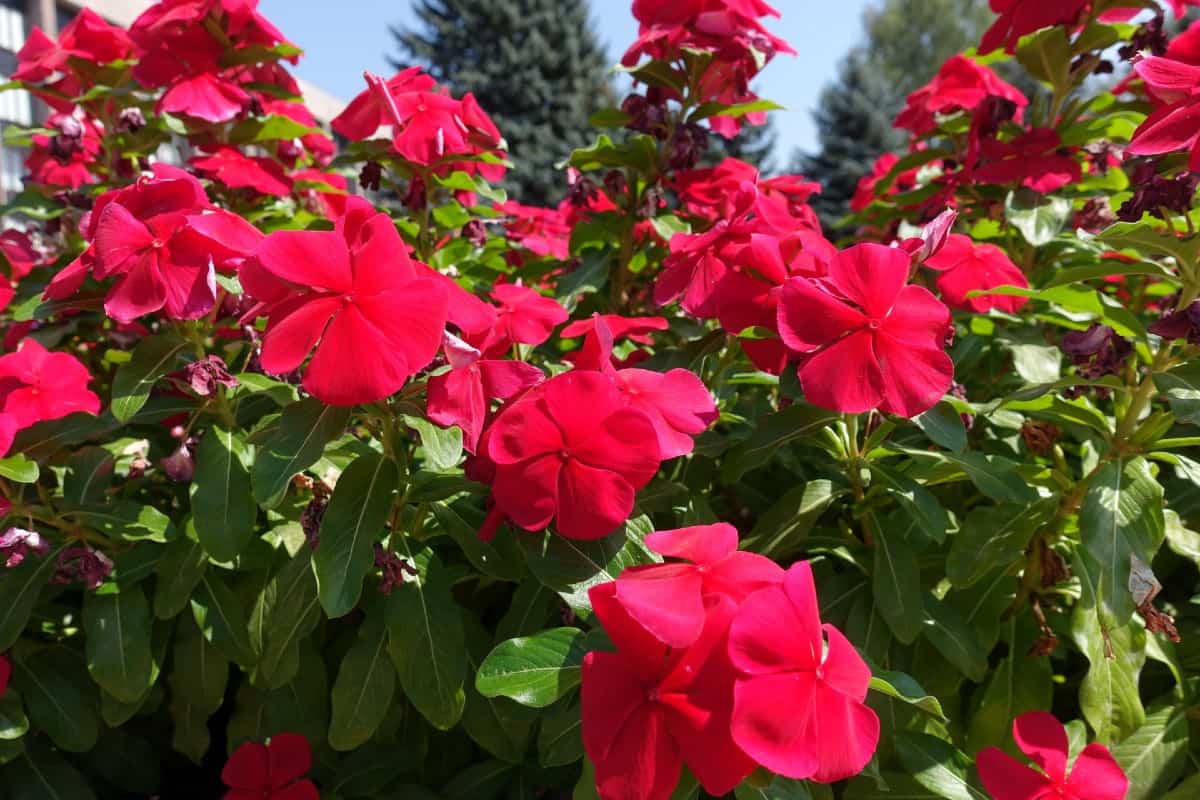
x=535, y=66
x=904, y=44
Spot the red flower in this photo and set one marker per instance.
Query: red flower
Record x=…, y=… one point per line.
x=1019, y=17
x=1033, y=159
x=523, y=316
x=461, y=396
x=668, y=600
x=206, y=96
x=541, y=231
x=636, y=329
x=1175, y=126
x=86, y=43
x=1094, y=776
x=960, y=85
x=355, y=295
x=37, y=385
x=798, y=702
x=5, y=673
x=427, y=128
x=967, y=267
x=711, y=193
x=233, y=168
x=270, y=772
x=676, y=402
x=64, y=160
x=648, y=709
x=572, y=451
x=19, y=251
x=875, y=342
x=162, y=241
x=866, y=191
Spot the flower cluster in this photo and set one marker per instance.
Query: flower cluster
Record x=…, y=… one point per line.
x=699, y=676
x=37, y=385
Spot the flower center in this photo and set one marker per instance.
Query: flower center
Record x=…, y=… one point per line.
x=157, y=244
x=874, y=324
x=564, y=455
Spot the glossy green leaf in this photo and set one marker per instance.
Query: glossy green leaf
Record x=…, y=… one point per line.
x=570, y=567
x=896, y=583
x=1155, y=755
x=903, y=687
x=443, y=447
x=89, y=474
x=177, y=574
x=42, y=774
x=363, y=690
x=222, y=619
x=292, y=611
x=993, y=537
x=293, y=445
x=60, y=698
x=117, y=629
x=771, y=433
x=19, y=593
x=354, y=521
x=128, y=520
x=534, y=670
x=223, y=507
x=936, y=765
x=19, y=469
x=152, y=358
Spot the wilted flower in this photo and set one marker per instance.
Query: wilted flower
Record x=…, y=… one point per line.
x=82, y=565
x=17, y=544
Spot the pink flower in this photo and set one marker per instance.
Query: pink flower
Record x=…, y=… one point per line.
x=541, y=231
x=960, y=85
x=523, y=316
x=873, y=342
x=798, y=702
x=1019, y=17
x=648, y=709
x=966, y=267
x=668, y=600
x=37, y=385
x=572, y=451
x=274, y=771
x=461, y=396
x=1033, y=159
x=163, y=242
x=206, y=96
x=1095, y=775
x=1175, y=126
x=354, y=295
x=233, y=168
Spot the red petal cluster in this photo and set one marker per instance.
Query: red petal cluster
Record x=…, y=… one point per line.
x=1095, y=774
x=161, y=241
x=701, y=676
x=870, y=341
x=428, y=126
x=960, y=84
x=37, y=385
x=966, y=267
x=353, y=295
x=63, y=68
x=1176, y=124
x=274, y=771
x=64, y=160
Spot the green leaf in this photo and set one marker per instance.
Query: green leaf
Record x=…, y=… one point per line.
x=1155, y=755
x=427, y=643
x=443, y=446
x=1147, y=239
x=570, y=567
x=13, y=722
x=944, y=426
x=152, y=358
x=772, y=432
x=779, y=788
x=1047, y=56
x=1108, y=694
x=781, y=529
x=951, y=636
x=482, y=555
x=362, y=693
x=1182, y=389
x=294, y=445
x=89, y=474
x=1121, y=516
x=223, y=507
x=707, y=110
x=899, y=787
x=993, y=536
x=19, y=469
x=222, y=619
x=179, y=570
x=904, y=688
x=19, y=593
x=353, y=522
x=896, y=583
x=59, y=697
x=917, y=502
x=1020, y=683
x=639, y=151
x=199, y=671
x=117, y=628
x=590, y=276
x=42, y=774
x=1039, y=218
x=560, y=739
x=482, y=781
x=534, y=670
x=293, y=610
x=128, y=520
x=936, y=765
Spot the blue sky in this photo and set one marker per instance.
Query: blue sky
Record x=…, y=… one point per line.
x=341, y=39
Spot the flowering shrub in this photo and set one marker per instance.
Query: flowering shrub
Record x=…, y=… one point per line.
x=655, y=493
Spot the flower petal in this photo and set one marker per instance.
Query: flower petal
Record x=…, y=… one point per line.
x=665, y=599
x=810, y=317
x=1097, y=775
x=1043, y=738
x=845, y=376
x=314, y=259
x=700, y=544
x=871, y=275
x=293, y=333
x=1005, y=778
x=592, y=502
x=290, y=757
x=248, y=767
x=611, y=692
x=846, y=735
x=527, y=492
x=643, y=763
x=773, y=721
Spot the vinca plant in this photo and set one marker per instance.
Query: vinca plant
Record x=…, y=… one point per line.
x=329, y=471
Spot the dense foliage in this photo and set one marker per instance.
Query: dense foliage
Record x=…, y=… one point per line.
x=658, y=493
